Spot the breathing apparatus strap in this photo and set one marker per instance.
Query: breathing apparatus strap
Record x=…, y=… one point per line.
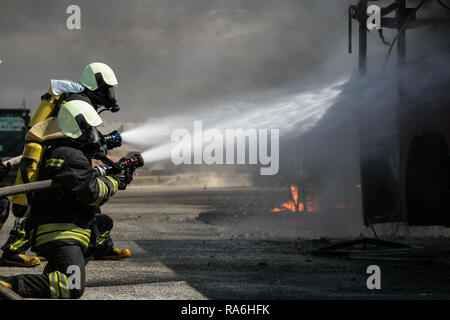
x=58, y=103
x=46, y=96
x=24, y=163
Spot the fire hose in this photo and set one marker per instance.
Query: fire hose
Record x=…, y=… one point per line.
x=132, y=161
x=8, y=294
x=13, y=161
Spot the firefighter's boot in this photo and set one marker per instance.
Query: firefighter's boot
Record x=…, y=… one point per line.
x=20, y=260
x=116, y=254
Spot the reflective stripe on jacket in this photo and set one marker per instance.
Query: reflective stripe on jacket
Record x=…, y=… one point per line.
x=62, y=231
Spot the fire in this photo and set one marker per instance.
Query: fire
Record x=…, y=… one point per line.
x=295, y=205
x=301, y=202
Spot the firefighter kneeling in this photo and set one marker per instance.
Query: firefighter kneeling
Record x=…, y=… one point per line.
x=60, y=219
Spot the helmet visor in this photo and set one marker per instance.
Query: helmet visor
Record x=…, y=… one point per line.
x=107, y=95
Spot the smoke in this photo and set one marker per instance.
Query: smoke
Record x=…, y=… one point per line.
x=322, y=108
x=232, y=64
x=169, y=56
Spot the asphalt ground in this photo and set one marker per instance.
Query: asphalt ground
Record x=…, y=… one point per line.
x=226, y=244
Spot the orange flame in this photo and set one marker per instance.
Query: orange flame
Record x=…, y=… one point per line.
x=294, y=205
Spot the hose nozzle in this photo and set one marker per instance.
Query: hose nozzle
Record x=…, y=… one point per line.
x=112, y=140
x=132, y=161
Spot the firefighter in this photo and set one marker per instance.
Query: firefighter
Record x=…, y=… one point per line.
x=99, y=82
x=16, y=239
x=96, y=87
x=59, y=223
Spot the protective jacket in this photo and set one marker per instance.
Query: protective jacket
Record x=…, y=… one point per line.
x=63, y=215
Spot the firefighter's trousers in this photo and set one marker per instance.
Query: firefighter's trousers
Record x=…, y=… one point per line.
x=63, y=277
x=18, y=243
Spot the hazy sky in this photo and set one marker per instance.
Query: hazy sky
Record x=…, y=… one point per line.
x=168, y=55
x=172, y=55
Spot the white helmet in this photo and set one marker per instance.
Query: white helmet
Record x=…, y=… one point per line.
x=76, y=117
x=97, y=74
x=100, y=82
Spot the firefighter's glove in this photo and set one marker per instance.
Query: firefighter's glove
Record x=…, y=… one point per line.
x=125, y=178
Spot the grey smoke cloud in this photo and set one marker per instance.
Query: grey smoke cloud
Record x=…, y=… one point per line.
x=169, y=55
x=173, y=55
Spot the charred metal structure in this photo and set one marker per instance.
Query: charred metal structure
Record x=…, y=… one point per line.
x=406, y=178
